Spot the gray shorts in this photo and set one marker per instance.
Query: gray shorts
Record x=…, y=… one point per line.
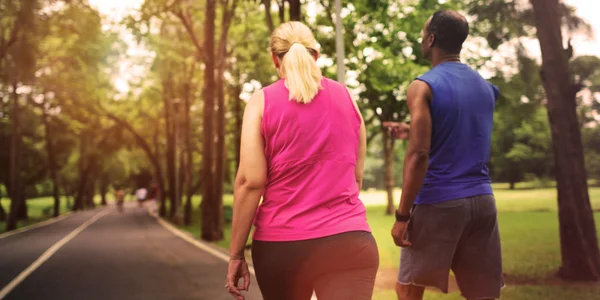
x=459, y=235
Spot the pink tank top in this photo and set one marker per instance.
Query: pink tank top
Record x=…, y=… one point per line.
x=311, y=151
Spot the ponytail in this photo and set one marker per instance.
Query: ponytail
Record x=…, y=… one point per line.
x=294, y=43
x=302, y=75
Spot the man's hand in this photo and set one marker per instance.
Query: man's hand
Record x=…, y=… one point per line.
x=399, y=234
x=397, y=130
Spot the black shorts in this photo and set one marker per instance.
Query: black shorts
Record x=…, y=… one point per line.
x=459, y=235
x=338, y=267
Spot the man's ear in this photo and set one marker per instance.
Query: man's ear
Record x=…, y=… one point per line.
x=432, y=40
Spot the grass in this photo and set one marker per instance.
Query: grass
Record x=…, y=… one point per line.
x=528, y=222
x=530, y=249
x=517, y=200
x=195, y=227
x=521, y=292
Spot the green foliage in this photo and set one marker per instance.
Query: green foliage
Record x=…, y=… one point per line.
x=531, y=149
x=383, y=53
x=591, y=146
x=521, y=141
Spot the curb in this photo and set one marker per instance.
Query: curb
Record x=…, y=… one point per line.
x=186, y=236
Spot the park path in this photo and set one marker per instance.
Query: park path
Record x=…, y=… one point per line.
x=112, y=256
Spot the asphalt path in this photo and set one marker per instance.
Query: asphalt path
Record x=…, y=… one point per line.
x=104, y=254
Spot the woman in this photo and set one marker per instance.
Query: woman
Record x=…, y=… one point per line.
x=303, y=149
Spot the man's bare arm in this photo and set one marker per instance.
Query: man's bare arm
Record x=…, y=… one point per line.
x=416, y=160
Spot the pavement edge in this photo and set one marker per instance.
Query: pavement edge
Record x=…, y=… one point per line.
x=36, y=225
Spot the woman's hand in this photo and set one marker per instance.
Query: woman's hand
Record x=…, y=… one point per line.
x=238, y=269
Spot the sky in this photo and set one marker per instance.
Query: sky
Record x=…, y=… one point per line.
x=588, y=10
x=115, y=10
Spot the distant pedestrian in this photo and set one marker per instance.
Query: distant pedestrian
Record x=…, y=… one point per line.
x=119, y=197
x=303, y=149
x=140, y=195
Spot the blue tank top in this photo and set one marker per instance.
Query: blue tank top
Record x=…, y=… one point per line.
x=462, y=113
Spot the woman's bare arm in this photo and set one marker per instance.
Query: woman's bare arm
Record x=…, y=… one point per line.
x=251, y=178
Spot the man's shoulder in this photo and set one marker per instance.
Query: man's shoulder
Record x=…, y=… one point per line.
x=431, y=78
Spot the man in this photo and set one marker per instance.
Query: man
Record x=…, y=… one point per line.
x=447, y=214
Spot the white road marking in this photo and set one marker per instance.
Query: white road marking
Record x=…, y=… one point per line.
x=46, y=255
x=36, y=225
x=199, y=244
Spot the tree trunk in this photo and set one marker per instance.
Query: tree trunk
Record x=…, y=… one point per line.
x=103, y=188
x=388, y=158
x=212, y=216
x=219, y=177
x=238, y=114
x=579, y=243
x=162, y=209
x=90, y=190
x=220, y=96
x=170, y=153
x=295, y=10
x=82, y=182
x=51, y=163
x=181, y=184
x=15, y=161
x=187, y=163
x=2, y=212
x=512, y=185
x=270, y=25
x=281, y=11
x=187, y=214
x=23, y=213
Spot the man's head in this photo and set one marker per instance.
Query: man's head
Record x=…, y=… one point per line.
x=446, y=31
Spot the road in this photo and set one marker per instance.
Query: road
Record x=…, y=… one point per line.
x=112, y=256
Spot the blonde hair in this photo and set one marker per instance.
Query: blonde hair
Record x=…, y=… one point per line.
x=294, y=44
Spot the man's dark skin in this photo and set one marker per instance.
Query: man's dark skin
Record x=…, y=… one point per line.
x=416, y=160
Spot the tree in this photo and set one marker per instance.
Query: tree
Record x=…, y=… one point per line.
x=51, y=155
x=17, y=60
x=294, y=13
x=521, y=135
x=212, y=53
x=579, y=243
x=212, y=225
x=591, y=144
x=585, y=71
x=295, y=10
x=227, y=10
x=11, y=223
x=383, y=49
x=252, y=64
x=64, y=55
